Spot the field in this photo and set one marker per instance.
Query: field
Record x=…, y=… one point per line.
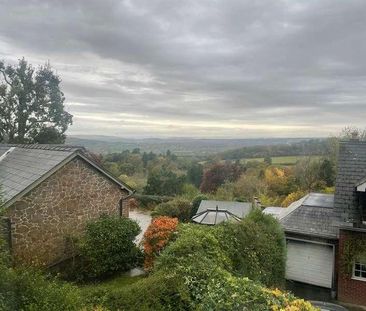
x=286, y=160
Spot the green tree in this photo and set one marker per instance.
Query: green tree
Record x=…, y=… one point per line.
x=195, y=174
x=327, y=172
x=31, y=104
x=268, y=160
x=164, y=182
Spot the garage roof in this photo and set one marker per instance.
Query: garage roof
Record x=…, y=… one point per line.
x=312, y=215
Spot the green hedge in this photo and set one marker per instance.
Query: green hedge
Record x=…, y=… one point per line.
x=213, y=268
x=150, y=201
x=256, y=247
x=177, y=208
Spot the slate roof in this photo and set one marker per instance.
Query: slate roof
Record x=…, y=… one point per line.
x=312, y=215
x=22, y=166
x=351, y=172
x=276, y=212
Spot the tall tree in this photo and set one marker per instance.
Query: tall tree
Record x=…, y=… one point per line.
x=195, y=174
x=218, y=174
x=31, y=104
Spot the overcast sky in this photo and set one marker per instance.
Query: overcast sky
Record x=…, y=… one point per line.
x=198, y=68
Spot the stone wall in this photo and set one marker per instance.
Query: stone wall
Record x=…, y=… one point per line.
x=59, y=208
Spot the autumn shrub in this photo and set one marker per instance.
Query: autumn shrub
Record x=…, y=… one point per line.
x=107, y=246
x=156, y=237
x=292, y=197
x=177, y=208
x=218, y=173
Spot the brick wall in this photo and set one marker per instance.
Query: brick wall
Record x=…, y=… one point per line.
x=350, y=290
x=59, y=207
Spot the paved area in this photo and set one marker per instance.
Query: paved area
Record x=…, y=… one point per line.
x=143, y=218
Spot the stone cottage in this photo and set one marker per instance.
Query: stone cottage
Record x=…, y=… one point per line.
x=49, y=192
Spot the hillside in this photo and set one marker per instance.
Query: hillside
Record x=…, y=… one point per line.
x=179, y=146
x=298, y=148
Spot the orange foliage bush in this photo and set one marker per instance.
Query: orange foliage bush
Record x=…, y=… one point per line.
x=156, y=238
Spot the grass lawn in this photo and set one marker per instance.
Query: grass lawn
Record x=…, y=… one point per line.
x=111, y=284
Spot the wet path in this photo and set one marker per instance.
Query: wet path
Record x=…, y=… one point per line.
x=143, y=218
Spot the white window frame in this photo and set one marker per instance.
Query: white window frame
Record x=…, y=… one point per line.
x=362, y=269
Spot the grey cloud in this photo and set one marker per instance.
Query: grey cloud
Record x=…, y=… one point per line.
x=254, y=62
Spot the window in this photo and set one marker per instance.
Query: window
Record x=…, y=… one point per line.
x=359, y=271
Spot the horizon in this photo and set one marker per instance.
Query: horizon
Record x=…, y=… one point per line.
x=86, y=136
x=202, y=69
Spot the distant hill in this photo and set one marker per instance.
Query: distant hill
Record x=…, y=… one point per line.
x=294, y=148
x=179, y=146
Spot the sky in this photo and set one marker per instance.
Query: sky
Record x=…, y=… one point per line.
x=200, y=68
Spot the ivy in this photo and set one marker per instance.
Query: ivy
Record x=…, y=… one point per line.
x=354, y=249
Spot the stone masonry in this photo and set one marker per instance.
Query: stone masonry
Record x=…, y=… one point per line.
x=58, y=208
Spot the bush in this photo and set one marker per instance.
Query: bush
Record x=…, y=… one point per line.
x=256, y=247
x=108, y=246
x=29, y=290
x=233, y=293
x=195, y=272
x=37, y=293
x=177, y=208
x=196, y=203
x=150, y=201
x=160, y=292
x=156, y=237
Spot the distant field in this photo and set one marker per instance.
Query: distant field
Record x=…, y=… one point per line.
x=286, y=160
x=182, y=147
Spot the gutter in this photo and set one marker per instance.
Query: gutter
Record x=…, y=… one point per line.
x=123, y=199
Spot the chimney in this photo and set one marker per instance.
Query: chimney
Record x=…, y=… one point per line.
x=257, y=203
x=354, y=136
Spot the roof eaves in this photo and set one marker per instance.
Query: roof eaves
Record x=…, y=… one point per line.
x=105, y=172
x=313, y=234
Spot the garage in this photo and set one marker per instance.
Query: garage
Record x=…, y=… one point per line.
x=310, y=263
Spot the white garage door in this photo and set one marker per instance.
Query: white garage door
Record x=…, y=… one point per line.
x=309, y=263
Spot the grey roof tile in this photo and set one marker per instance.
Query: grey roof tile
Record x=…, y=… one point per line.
x=312, y=215
x=25, y=164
